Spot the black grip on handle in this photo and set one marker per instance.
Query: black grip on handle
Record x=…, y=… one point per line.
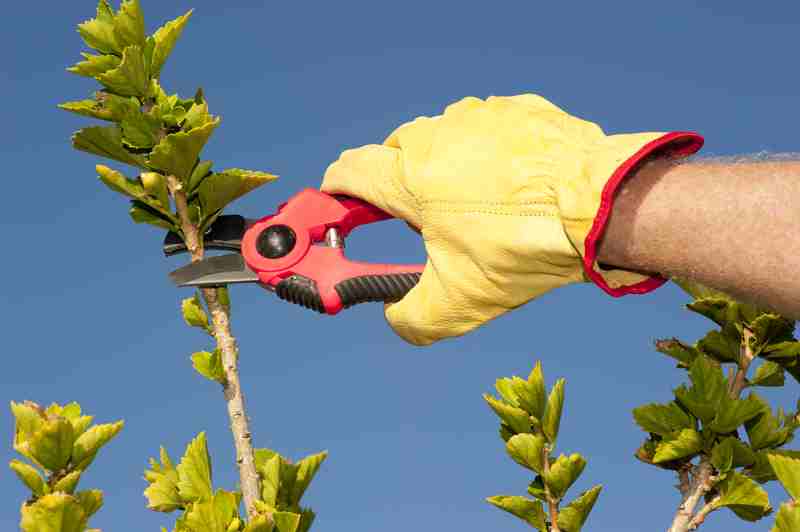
x=386, y=288
x=300, y=291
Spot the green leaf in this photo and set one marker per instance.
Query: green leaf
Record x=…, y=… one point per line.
x=787, y=469
x=765, y=431
x=177, y=153
x=69, y=482
x=140, y=213
x=699, y=291
x=194, y=314
x=88, y=443
x=98, y=33
x=306, y=470
x=681, y=352
x=194, y=471
x=551, y=420
x=713, y=308
x=119, y=183
x=219, y=189
x=162, y=493
x=286, y=521
x=165, y=38
x=517, y=419
x=731, y=453
x=200, y=172
x=105, y=142
x=708, y=387
x=720, y=347
x=94, y=65
x=536, y=488
x=563, y=473
x=130, y=77
x=788, y=518
x=535, y=392
x=30, y=476
x=52, y=445
x=529, y=511
x=259, y=523
x=734, y=412
x=744, y=497
x=527, y=450
x=572, y=517
x=781, y=350
x=768, y=374
x=209, y=365
x=769, y=328
x=156, y=186
x=681, y=444
x=129, y=24
x=662, y=419
x=56, y=512
x=141, y=130
x=196, y=116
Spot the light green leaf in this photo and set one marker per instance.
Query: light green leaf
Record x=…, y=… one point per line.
x=119, y=183
x=681, y=444
x=563, y=473
x=105, y=142
x=88, y=443
x=306, y=470
x=56, y=512
x=162, y=492
x=90, y=501
x=141, y=130
x=194, y=314
x=156, y=186
x=213, y=515
x=699, y=291
x=684, y=354
x=744, y=497
x=517, y=419
x=527, y=450
x=734, y=412
x=98, y=33
x=177, y=153
x=196, y=116
x=130, y=77
x=286, y=521
x=260, y=523
x=94, y=65
x=69, y=482
x=129, y=24
x=788, y=518
x=529, y=511
x=219, y=189
x=531, y=392
x=662, y=419
x=271, y=480
x=782, y=350
x=307, y=517
x=52, y=445
x=209, y=365
x=787, y=469
x=165, y=38
x=768, y=374
x=536, y=488
x=572, y=517
x=30, y=476
x=551, y=420
x=194, y=471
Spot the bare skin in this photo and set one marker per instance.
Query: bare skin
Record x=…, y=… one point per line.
x=733, y=226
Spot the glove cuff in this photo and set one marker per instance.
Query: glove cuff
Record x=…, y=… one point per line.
x=675, y=144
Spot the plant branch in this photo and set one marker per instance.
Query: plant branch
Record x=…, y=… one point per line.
x=700, y=516
x=226, y=343
x=552, y=502
x=700, y=483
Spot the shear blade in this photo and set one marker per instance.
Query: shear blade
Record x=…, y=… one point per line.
x=214, y=271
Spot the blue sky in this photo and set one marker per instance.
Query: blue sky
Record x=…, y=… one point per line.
x=89, y=314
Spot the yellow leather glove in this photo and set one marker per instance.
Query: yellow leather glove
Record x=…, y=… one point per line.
x=510, y=194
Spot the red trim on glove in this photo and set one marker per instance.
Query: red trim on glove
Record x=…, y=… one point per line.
x=683, y=144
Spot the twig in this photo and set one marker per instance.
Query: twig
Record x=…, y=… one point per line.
x=226, y=343
x=745, y=359
x=700, y=516
x=698, y=487
x=552, y=502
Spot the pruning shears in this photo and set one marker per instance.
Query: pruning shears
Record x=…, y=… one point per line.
x=298, y=253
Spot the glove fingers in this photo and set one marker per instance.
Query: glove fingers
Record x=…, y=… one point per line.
x=372, y=173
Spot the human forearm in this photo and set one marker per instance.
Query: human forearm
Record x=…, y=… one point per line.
x=731, y=226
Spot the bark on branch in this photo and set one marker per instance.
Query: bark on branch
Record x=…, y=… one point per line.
x=226, y=343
